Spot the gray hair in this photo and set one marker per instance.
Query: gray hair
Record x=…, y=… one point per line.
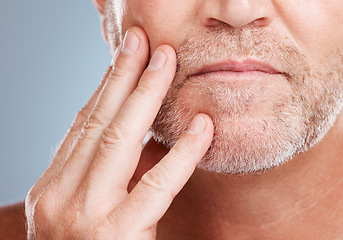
x=113, y=22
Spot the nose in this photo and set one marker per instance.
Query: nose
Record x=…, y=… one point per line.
x=236, y=13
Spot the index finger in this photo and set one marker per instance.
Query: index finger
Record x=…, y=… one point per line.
x=152, y=153
x=152, y=196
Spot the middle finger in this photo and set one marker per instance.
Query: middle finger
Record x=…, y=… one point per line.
x=127, y=70
x=120, y=145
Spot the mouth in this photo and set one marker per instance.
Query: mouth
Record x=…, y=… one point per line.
x=237, y=70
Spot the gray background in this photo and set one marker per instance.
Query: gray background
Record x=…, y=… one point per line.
x=52, y=57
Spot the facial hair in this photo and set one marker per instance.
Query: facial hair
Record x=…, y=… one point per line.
x=260, y=124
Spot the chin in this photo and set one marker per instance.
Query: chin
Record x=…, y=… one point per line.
x=258, y=124
x=250, y=133
x=255, y=129
x=252, y=145
x=244, y=145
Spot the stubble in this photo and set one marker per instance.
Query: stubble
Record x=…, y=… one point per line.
x=259, y=125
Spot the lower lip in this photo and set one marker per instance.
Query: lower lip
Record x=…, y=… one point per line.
x=231, y=76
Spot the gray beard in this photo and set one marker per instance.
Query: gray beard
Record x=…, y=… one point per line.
x=257, y=126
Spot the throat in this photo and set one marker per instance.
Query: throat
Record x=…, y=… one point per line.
x=283, y=203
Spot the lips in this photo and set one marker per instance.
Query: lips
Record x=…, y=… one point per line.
x=237, y=67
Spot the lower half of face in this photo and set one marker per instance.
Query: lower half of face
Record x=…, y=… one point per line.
x=261, y=119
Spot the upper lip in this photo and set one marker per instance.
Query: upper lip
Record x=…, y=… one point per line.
x=237, y=66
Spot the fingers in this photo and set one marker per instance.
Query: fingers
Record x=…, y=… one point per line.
x=152, y=153
x=106, y=142
x=152, y=196
x=124, y=78
x=75, y=129
x=68, y=142
x=139, y=111
x=120, y=144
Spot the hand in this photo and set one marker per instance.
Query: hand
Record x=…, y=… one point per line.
x=88, y=191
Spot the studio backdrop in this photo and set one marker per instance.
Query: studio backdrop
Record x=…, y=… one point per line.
x=52, y=57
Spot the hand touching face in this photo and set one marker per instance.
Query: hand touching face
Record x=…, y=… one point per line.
x=267, y=72
x=99, y=185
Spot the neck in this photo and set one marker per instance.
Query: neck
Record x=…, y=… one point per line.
x=303, y=199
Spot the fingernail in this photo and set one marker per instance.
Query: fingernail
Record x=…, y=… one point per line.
x=131, y=43
x=197, y=125
x=157, y=61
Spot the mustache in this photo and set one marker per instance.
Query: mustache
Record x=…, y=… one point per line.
x=223, y=42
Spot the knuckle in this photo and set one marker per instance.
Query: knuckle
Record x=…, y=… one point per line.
x=119, y=224
x=52, y=214
x=31, y=197
x=157, y=179
x=44, y=208
x=121, y=69
x=62, y=215
x=96, y=119
x=114, y=220
x=113, y=135
x=145, y=88
x=93, y=126
x=80, y=118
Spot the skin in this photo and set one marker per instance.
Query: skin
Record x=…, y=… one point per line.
x=253, y=207
x=104, y=146
x=301, y=199
x=288, y=212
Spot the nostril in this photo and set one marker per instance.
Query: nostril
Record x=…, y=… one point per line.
x=236, y=13
x=212, y=22
x=263, y=21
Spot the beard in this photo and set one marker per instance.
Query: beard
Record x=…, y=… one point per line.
x=258, y=124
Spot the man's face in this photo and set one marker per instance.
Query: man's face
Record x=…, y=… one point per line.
x=268, y=73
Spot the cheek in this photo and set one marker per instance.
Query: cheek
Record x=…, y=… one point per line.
x=165, y=22
x=316, y=26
